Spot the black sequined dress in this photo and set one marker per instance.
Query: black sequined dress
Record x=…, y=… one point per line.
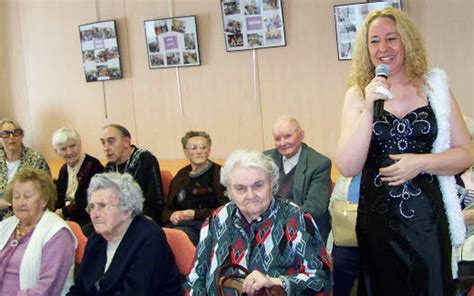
x=402, y=230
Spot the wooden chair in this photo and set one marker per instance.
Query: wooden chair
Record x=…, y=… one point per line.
x=234, y=281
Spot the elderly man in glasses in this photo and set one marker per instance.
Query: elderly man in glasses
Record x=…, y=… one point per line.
x=128, y=254
x=15, y=156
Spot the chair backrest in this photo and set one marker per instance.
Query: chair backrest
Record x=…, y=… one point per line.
x=182, y=247
x=234, y=281
x=166, y=177
x=230, y=281
x=81, y=240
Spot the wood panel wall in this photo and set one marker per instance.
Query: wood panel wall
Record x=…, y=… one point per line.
x=234, y=96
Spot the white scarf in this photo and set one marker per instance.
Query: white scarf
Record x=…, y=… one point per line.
x=438, y=93
x=47, y=227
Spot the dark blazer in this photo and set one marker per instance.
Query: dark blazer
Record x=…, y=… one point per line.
x=312, y=180
x=76, y=212
x=142, y=265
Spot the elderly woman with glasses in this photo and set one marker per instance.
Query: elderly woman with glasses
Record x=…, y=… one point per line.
x=195, y=191
x=128, y=254
x=278, y=243
x=74, y=176
x=36, y=246
x=14, y=156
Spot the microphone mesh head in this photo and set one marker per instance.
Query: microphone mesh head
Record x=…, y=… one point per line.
x=382, y=70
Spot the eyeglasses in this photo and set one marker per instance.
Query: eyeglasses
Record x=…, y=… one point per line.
x=16, y=133
x=195, y=147
x=99, y=206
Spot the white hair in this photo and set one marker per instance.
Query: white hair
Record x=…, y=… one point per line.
x=253, y=159
x=63, y=135
x=127, y=191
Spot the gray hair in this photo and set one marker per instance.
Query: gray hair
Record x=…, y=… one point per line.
x=63, y=135
x=127, y=191
x=8, y=120
x=192, y=134
x=287, y=118
x=122, y=130
x=250, y=159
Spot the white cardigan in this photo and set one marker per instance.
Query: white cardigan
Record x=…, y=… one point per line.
x=47, y=227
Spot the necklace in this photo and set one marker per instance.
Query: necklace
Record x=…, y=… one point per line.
x=18, y=235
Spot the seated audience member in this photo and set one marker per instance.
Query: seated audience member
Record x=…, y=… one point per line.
x=195, y=191
x=305, y=174
x=14, y=156
x=467, y=195
x=345, y=258
x=36, y=246
x=467, y=183
x=124, y=157
x=74, y=176
x=272, y=238
x=466, y=186
x=128, y=254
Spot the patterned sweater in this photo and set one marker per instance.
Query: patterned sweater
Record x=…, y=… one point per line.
x=283, y=242
x=145, y=170
x=29, y=159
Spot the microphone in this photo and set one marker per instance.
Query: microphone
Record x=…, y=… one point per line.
x=381, y=70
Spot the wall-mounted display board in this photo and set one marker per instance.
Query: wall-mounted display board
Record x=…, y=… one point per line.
x=172, y=42
x=348, y=17
x=100, y=51
x=252, y=24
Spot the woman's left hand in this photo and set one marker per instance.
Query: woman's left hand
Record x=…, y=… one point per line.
x=257, y=280
x=406, y=167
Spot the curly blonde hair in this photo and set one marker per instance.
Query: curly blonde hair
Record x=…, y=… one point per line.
x=416, y=64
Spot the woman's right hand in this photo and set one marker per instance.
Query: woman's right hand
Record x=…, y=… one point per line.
x=255, y=281
x=372, y=94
